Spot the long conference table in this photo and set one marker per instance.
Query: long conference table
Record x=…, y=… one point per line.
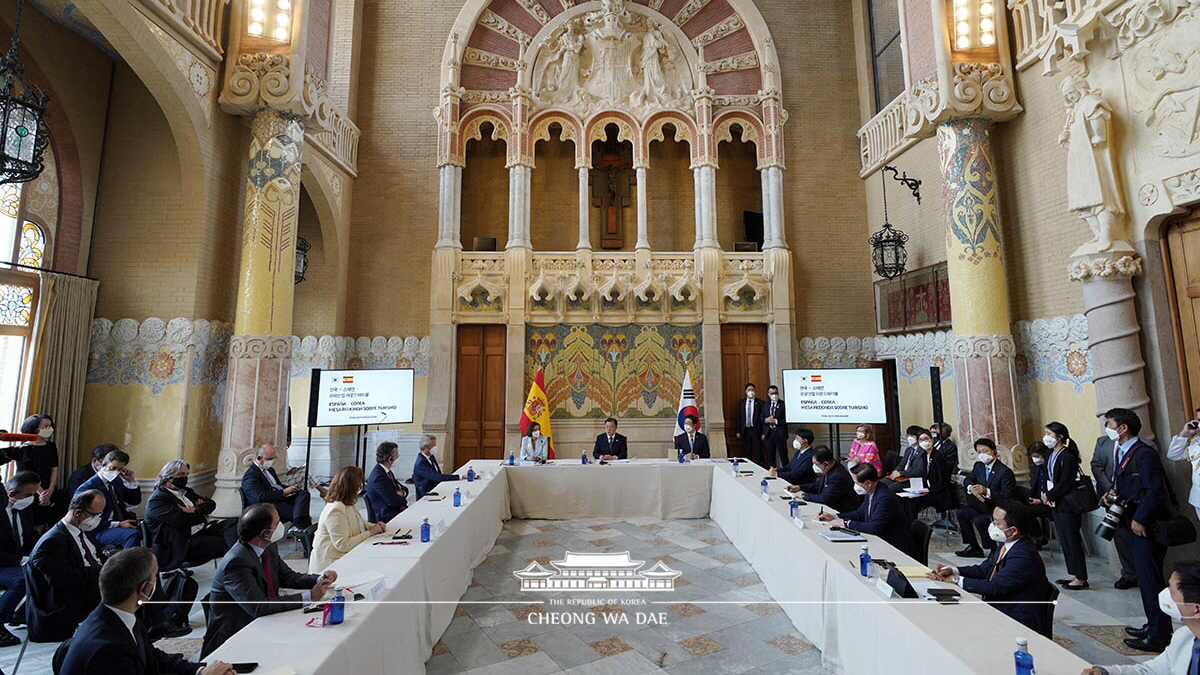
x=816, y=582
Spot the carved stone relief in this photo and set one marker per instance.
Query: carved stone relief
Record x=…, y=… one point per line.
x=1165, y=88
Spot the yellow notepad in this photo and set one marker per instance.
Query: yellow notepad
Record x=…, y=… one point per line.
x=914, y=571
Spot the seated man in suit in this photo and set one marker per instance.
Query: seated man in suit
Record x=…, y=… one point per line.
x=248, y=580
x=879, y=514
x=834, y=487
x=989, y=482
x=388, y=496
x=112, y=641
x=915, y=463
x=1013, y=575
x=610, y=445
x=79, y=476
x=800, y=469
x=260, y=485
x=426, y=472
x=62, y=575
x=180, y=531
x=118, y=526
x=17, y=538
x=691, y=442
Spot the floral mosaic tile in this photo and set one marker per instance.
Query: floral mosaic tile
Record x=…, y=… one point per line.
x=790, y=644
x=763, y=608
x=525, y=611
x=685, y=609
x=610, y=647
x=701, y=645
x=518, y=648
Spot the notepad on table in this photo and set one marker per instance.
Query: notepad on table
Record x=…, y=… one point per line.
x=913, y=571
x=841, y=535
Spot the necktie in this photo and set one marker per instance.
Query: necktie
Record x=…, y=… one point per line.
x=16, y=528
x=691, y=442
x=1000, y=557
x=870, y=503
x=271, y=591
x=87, y=553
x=395, y=483
x=610, y=442
x=749, y=413
x=1194, y=664
x=987, y=476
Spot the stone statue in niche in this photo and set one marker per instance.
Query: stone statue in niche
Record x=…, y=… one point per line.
x=1092, y=188
x=611, y=58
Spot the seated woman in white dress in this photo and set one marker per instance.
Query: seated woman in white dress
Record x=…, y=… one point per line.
x=534, y=446
x=341, y=527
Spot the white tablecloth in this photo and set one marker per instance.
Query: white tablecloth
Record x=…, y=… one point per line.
x=641, y=488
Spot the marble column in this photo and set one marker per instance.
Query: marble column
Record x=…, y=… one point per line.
x=256, y=390
x=585, y=209
x=772, y=179
x=643, y=236
x=518, y=206
x=705, y=179
x=983, y=349
x=449, y=206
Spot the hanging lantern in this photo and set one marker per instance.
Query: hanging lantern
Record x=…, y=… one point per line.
x=302, y=247
x=887, y=251
x=23, y=133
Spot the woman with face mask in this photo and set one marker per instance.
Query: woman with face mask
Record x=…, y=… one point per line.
x=41, y=456
x=863, y=449
x=1062, y=474
x=1037, y=485
x=534, y=446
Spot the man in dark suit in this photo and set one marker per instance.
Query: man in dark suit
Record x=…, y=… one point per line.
x=426, y=473
x=62, y=575
x=177, y=517
x=260, y=485
x=800, y=469
x=1139, y=483
x=610, y=445
x=834, y=486
x=79, y=476
x=388, y=496
x=248, y=580
x=1013, y=576
x=691, y=442
x=1104, y=464
x=118, y=525
x=775, y=428
x=112, y=641
x=880, y=513
x=989, y=482
x=943, y=444
x=915, y=462
x=17, y=538
x=748, y=425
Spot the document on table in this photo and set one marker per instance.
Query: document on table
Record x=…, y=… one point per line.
x=914, y=571
x=922, y=586
x=842, y=535
x=359, y=581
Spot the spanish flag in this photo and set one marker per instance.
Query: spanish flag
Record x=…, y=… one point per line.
x=537, y=409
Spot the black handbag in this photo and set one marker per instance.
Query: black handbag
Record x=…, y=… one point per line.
x=1082, y=498
x=1173, y=531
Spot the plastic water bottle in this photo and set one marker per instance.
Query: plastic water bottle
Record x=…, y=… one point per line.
x=1023, y=658
x=735, y=467
x=681, y=456
x=864, y=560
x=583, y=457
x=763, y=485
x=470, y=475
x=457, y=497
x=511, y=460
x=337, y=607
x=425, y=531
x=793, y=508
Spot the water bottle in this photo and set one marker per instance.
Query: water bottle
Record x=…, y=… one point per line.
x=735, y=467
x=583, y=457
x=794, y=508
x=511, y=460
x=1023, y=658
x=681, y=456
x=470, y=475
x=425, y=531
x=864, y=560
x=337, y=607
x=457, y=497
x=763, y=485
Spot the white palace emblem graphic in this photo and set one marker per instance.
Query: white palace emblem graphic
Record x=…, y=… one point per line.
x=597, y=572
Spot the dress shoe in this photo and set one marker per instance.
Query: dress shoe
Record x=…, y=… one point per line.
x=7, y=639
x=1063, y=582
x=971, y=552
x=1142, y=632
x=1146, y=644
x=1125, y=582
x=1073, y=587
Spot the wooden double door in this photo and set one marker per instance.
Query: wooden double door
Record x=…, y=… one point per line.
x=479, y=393
x=1183, y=258
x=744, y=358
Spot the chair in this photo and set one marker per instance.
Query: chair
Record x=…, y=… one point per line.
x=919, y=534
x=298, y=537
x=370, y=509
x=60, y=656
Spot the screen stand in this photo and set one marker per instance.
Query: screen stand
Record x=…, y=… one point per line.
x=307, y=457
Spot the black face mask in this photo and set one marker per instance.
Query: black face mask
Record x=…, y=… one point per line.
x=179, y=482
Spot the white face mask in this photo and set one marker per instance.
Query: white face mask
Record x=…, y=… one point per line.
x=986, y=458
x=996, y=534
x=1039, y=461
x=796, y=444
x=46, y=433
x=817, y=468
x=90, y=523
x=21, y=504
x=1168, y=605
x=110, y=475
x=1050, y=441
x=933, y=434
x=535, y=433
x=278, y=532
x=925, y=445
x=750, y=394
x=153, y=587
x=860, y=434
x=689, y=428
x=912, y=440
x=268, y=463
x=858, y=489
x=1112, y=433
x=774, y=397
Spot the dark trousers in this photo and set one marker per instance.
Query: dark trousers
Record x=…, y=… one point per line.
x=1125, y=552
x=294, y=509
x=752, y=446
x=777, y=446
x=972, y=520
x=1148, y=558
x=213, y=542
x=13, y=581
x=1068, y=526
x=122, y=537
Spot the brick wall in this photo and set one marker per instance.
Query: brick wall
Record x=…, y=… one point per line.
x=315, y=308
x=554, y=197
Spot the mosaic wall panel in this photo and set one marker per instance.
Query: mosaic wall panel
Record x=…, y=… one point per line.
x=915, y=353
x=330, y=351
x=1054, y=350
x=155, y=353
x=626, y=371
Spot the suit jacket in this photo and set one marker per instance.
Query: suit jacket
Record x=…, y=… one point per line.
x=1020, y=577
x=880, y=514
x=1104, y=462
x=13, y=548
x=171, y=528
x=240, y=579
x=914, y=463
x=800, y=469
x=742, y=423
x=780, y=416
x=427, y=474
x=382, y=489
x=1064, y=468
x=116, y=498
x=531, y=449
x=700, y=448
x=258, y=489
x=339, y=529
x=1142, y=483
x=1002, y=482
x=949, y=450
x=104, y=646
x=79, y=477
x=889, y=462
x=61, y=588
x=834, y=488
x=620, y=447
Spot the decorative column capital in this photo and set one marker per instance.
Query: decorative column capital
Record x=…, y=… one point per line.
x=1114, y=265
x=264, y=80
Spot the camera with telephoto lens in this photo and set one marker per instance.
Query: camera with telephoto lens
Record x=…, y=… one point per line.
x=1112, y=519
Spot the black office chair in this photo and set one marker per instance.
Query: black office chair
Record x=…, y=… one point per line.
x=1051, y=596
x=370, y=509
x=919, y=533
x=60, y=656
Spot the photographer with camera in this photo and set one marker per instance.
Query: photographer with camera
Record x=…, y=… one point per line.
x=1138, y=498
x=1186, y=446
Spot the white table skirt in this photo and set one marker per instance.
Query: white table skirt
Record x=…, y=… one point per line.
x=641, y=488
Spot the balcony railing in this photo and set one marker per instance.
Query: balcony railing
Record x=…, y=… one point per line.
x=200, y=22
x=882, y=138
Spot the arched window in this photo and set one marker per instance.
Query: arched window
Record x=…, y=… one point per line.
x=31, y=245
x=22, y=241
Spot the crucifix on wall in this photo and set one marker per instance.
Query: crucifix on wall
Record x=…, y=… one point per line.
x=611, y=177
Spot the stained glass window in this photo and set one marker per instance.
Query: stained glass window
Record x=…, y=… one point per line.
x=10, y=199
x=16, y=305
x=33, y=245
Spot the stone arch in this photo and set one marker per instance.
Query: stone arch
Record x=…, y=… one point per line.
x=627, y=130
x=752, y=131
x=685, y=131
x=471, y=128
x=572, y=130
x=327, y=201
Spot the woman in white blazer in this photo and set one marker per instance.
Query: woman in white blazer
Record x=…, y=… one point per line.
x=341, y=527
x=534, y=447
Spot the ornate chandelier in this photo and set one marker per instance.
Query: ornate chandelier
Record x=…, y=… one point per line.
x=23, y=135
x=302, y=247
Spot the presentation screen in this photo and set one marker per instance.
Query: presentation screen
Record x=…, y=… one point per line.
x=835, y=395
x=346, y=398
